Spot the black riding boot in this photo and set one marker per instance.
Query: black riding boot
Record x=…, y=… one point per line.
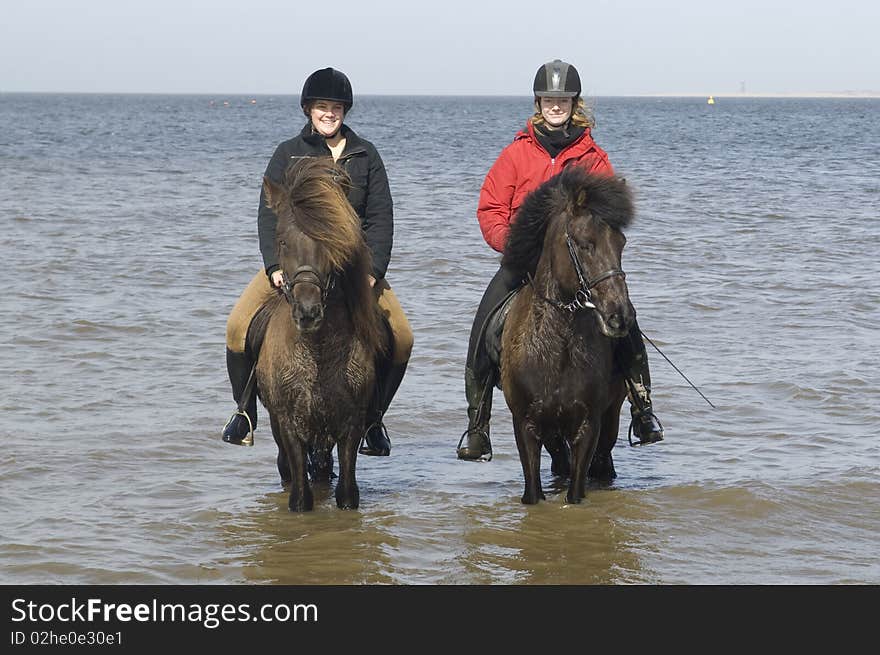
x=239, y=429
x=645, y=426
x=479, y=400
x=479, y=372
x=376, y=441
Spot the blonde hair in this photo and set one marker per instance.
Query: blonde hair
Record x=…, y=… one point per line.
x=581, y=115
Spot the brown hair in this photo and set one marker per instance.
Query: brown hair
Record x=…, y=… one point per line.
x=307, y=108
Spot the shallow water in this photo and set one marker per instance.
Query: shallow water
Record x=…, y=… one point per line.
x=129, y=231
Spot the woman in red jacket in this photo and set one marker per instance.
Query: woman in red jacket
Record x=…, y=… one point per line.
x=557, y=135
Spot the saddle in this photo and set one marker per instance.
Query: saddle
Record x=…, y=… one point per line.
x=488, y=355
x=257, y=332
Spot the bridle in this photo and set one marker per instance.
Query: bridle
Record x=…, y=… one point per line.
x=583, y=299
x=306, y=275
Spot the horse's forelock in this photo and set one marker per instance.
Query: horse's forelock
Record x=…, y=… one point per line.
x=574, y=191
x=317, y=205
x=607, y=199
x=314, y=200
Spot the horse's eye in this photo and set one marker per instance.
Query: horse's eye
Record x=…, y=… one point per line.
x=282, y=242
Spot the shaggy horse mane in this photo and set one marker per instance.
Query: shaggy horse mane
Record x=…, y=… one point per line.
x=572, y=192
x=315, y=194
x=313, y=198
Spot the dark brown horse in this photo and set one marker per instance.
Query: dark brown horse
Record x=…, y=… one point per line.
x=557, y=366
x=323, y=336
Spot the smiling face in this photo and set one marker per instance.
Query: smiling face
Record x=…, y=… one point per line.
x=556, y=111
x=326, y=117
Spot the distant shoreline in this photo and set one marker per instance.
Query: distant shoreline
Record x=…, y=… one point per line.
x=723, y=96
x=817, y=94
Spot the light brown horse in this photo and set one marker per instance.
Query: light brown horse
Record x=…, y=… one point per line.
x=323, y=336
x=557, y=360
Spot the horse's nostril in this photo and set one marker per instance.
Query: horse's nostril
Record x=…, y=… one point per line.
x=615, y=321
x=309, y=323
x=308, y=312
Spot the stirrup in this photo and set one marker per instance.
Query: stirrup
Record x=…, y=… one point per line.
x=367, y=449
x=642, y=442
x=248, y=439
x=484, y=433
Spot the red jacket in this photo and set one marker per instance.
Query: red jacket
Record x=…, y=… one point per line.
x=520, y=169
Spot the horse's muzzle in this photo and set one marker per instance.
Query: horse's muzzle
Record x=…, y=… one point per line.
x=308, y=318
x=616, y=324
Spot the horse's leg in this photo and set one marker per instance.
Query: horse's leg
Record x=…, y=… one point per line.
x=301, y=499
x=281, y=461
x=560, y=456
x=602, y=464
x=582, y=448
x=530, y=457
x=347, y=493
x=321, y=459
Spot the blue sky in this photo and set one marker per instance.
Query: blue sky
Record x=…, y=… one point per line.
x=621, y=47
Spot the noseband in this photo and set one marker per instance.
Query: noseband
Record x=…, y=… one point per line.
x=583, y=299
x=306, y=275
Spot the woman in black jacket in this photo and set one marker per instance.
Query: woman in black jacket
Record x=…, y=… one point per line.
x=325, y=100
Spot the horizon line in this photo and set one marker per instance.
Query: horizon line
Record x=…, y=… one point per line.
x=689, y=94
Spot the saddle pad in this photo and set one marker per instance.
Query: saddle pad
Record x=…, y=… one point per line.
x=493, y=331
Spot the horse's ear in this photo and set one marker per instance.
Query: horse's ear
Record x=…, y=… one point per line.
x=272, y=191
x=581, y=200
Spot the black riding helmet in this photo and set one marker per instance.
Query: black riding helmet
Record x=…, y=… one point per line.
x=327, y=84
x=557, y=79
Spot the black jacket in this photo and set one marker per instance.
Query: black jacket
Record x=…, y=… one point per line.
x=369, y=195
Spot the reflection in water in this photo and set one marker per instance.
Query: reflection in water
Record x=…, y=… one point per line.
x=325, y=546
x=597, y=542
x=556, y=543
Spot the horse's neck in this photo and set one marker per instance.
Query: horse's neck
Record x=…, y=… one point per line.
x=338, y=331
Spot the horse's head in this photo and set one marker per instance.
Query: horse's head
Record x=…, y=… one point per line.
x=569, y=235
x=317, y=234
x=585, y=258
x=307, y=276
